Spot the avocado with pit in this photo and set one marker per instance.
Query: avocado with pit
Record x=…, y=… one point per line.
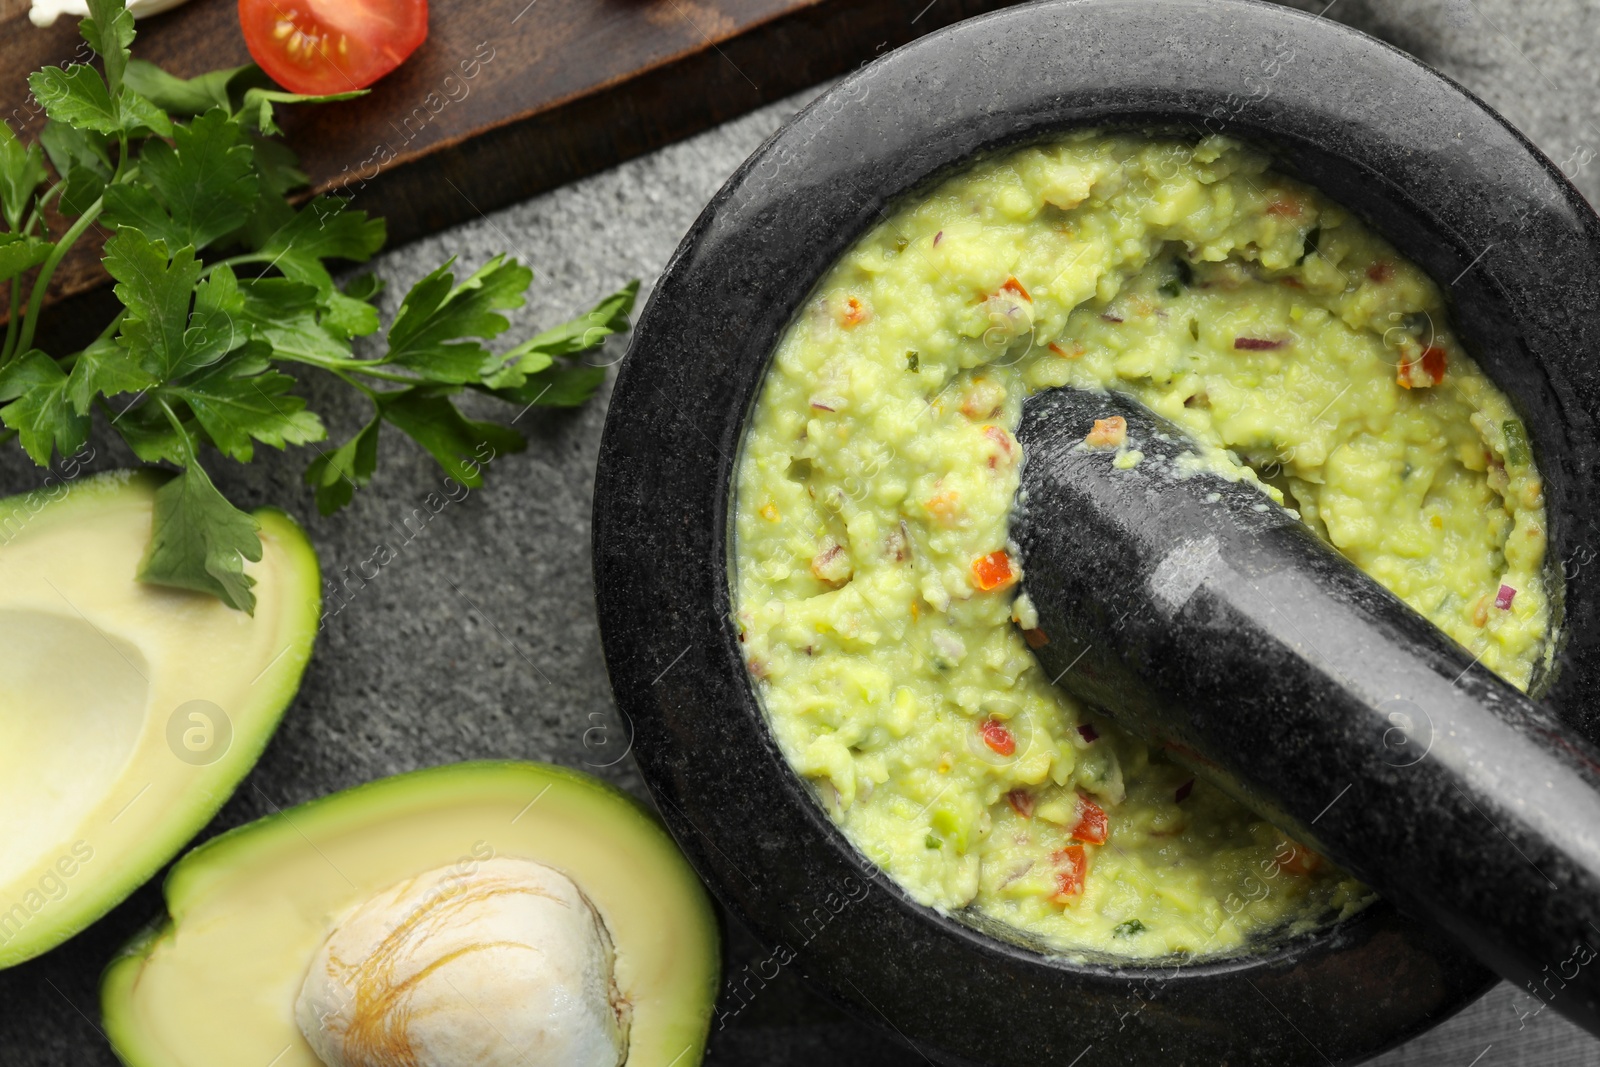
x=129, y=712
x=492, y=914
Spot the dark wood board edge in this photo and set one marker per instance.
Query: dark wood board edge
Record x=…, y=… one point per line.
x=509, y=163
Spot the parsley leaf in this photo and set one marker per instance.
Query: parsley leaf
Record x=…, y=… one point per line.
x=284, y=314
x=104, y=367
x=140, y=116
x=608, y=317
x=199, y=541
x=241, y=399
x=460, y=444
x=18, y=254
x=200, y=187
x=151, y=435
x=528, y=376
x=159, y=329
x=258, y=103
x=40, y=410
x=197, y=356
x=562, y=387
x=338, y=474
x=109, y=31
x=181, y=96
x=432, y=332
x=76, y=96
x=21, y=172
x=83, y=159
x=327, y=229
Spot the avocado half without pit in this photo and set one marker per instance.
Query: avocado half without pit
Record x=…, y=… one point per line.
x=494, y=914
x=128, y=712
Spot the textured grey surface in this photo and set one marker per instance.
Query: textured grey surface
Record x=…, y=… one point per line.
x=479, y=639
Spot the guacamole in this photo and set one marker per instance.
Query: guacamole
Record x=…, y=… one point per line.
x=877, y=594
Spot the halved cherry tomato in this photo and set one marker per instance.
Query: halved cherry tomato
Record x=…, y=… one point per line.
x=331, y=46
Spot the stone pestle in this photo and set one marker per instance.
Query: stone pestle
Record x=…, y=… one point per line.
x=1201, y=615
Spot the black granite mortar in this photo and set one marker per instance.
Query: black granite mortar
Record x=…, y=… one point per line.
x=1445, y=179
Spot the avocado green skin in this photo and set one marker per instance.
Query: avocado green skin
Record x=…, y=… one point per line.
x=277, y=689
x=122, y=973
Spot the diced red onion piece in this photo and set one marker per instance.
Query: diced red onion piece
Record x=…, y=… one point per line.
x=1504, y=597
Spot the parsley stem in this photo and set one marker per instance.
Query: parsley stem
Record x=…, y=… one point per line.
x=36, y=216
x=234, y=261
x=42, y=282
x=338, y=367
x=122, y=156
x=177, y=425
x=372, y=394
x=67, y=362
x=31, y=223
x=11, y=322
x=111, y=327
x=362, y=366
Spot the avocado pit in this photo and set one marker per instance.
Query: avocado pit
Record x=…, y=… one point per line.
x=508, y=965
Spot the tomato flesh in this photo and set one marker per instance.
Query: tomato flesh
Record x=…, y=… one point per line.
x=1072, y=867
x=992, y=571
x=331, y=46
x=997, y=737
x=1093, y=823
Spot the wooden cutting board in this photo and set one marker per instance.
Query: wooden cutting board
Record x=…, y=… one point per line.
x=506, y=98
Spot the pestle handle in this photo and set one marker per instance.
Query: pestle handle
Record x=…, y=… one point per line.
x=1211, y=621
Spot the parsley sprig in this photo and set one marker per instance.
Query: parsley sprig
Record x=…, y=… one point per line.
x=224, y=284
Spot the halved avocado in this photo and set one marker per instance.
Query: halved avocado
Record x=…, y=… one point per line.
x=215, y=986
x=128, y=712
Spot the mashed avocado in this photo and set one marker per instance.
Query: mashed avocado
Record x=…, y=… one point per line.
x=876, y=591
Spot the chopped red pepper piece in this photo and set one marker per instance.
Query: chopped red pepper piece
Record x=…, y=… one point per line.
x=997, y=737
x=1088, y=732
x=854, y=314
x=1300, y=860
x=1074, y=865
x=1109, y=432
x=1021, y=802
x=992, y=571
x=1014, y=286
x=1433, y=362
x=1008, y=448
x=1092, y=822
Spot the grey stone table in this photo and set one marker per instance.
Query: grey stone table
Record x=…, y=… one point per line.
x=479, y=638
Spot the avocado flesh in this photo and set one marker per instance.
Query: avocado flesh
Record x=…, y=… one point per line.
x=216, y=985
x=93, y=797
